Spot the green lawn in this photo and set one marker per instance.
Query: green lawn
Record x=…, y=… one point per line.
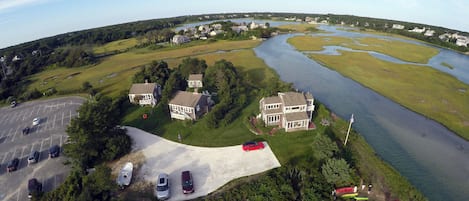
x=425, y=90
x=118, y=45
x=401, y=50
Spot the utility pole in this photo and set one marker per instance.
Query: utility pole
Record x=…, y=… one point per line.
x=348, y=131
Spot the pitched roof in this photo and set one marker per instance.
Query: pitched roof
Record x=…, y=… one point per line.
x=142, y=88
x=195, y=77
x=272, y=99
x=296, y=116
x=188, y=99
x=292, y=98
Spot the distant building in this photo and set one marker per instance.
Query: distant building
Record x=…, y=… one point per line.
x=145, y=93
x=180, y=39
x=429, y=32
x=462, y=41
x=417, y=30
x=289, y=110
x=398, y=26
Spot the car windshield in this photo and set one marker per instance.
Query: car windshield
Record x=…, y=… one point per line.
x=187, y=183
x=162, y=188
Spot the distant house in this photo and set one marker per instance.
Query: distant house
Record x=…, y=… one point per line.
x=462, y=41
x=215, y=32
x=289, y=110
x=429, y=32
x=180, y=39
x=195, y=81
x=145, y=93
x=417, y=30
x=398, y=26
x=188, y=105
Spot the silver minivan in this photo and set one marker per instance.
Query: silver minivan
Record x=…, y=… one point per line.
x=162, y=187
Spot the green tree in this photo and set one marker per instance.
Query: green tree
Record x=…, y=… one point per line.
x=91, y=132
x=324, y=147
x=86, y=86
x=192, y=66
x=337, y=171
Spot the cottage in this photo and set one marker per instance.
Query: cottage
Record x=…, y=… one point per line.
x=398, y=26
x=290, y=110
x=180, y=39
x=188, y=105
x=145, y=93
x=195, y=81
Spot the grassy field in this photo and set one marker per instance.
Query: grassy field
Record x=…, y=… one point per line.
x=400, y=50
x=425, y=90
x=118, y=45
x=114, y=73
x=299, y=27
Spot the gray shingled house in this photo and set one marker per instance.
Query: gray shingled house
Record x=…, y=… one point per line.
x=145, y=93
x=290, y=110
x=188, y=105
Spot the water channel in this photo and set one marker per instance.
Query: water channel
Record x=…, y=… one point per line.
x=433, y=158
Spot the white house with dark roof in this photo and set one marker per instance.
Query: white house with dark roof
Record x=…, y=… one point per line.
x=145, y=93
x=289, y=110
x=188, y=105
x=195, y=81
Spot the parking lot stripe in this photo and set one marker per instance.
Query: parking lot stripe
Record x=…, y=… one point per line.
x=22, y=152
x=18, y=197
x=32, y=148
x=5, y=157
x=14, y=134
x=53, y=123
x=63, y=114
x=70, y=119
x=14, y=154
x=50, y=141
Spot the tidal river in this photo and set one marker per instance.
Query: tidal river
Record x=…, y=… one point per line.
x=433, y=158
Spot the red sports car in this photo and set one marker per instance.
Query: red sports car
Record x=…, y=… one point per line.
x=249, y=146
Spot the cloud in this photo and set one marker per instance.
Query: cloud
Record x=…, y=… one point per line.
x=9, y=4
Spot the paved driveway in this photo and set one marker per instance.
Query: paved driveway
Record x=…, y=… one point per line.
x=54, y=115
x=211, y=167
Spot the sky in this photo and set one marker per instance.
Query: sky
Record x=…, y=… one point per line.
x=27, y=20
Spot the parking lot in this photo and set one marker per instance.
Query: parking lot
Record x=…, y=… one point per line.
x=54, y=116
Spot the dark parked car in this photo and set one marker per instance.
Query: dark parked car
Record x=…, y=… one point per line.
x=34, y=188
x=54, y=151
x=249, y=146
x=13, y=165
x=26, y=130
x=186, y=181
x=33, y=157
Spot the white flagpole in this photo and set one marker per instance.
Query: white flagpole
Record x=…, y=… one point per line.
x=348, y=131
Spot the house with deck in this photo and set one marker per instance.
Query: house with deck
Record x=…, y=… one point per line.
x=289, y=110
x=188, y=105
x=145, y=93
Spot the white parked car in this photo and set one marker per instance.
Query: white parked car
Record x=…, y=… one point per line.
x=162, y=187
x=35, y=121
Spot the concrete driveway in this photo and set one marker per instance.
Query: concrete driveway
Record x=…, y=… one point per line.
x=211, y=167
